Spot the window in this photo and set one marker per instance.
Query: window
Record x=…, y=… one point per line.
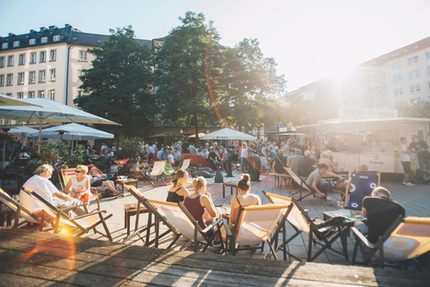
x=5, y=45
x=81, y=73
x=428, y=55
x=41, y=94
x=395, y=92
x=51, y=95
x=44, y=40
x=42, y=76
x=82, y=55
x=42, y=57
x=52, y=75
x=412, y=89
x=33, y=58
x=400, y=91
x=32, y=42
x=428, y=70
x=80, y=93
x=9, y=94
x=53, y=55
x=56, y=38
x=30, y=95
x=396, y=65
x=9, y=79
x=20, y=95
x=32, y=77
x=413, y=60
x=10, y=61
x=414, y=75
x=417, y=88
x=397, y=79
x=21, y=78
x=15, y=44
x=1, y=80
x=21, y=59
x=1, y=62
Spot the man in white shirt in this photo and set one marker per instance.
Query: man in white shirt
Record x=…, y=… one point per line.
x=41, y=184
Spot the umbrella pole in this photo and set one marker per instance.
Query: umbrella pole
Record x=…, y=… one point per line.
x=4, y=154
x=40, y=136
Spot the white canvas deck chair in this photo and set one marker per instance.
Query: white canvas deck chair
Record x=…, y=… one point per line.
x=321, y=233
x=258, y=224
x=183, y=223
x=402, y=243
x=144, y=207
x=19, y=211
x=185, y=164
x=77, y=225
x=156, y=171
x=304, y=189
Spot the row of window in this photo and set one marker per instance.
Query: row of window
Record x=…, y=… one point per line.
x=412, y=89
x=32, y=94
x=31, y=41
x=410, y=61
x=33, y=58
x=412, y=76
x=8, y=80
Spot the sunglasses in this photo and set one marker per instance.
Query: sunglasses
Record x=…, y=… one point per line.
x=79, y=171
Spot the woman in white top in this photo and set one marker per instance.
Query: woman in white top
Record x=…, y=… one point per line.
x=244, y=157
x=79, y=184
x=405, y=159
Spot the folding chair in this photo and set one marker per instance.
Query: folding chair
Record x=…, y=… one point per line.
x=19, y=211
x=360, y=185
x=401, y=244
x=304, y=187
x=144, y=207
x=257, y=225
x=79, y=225
x=185, y=164
x=321, y=233
x=156, y=171
x=66, y=175
x=168, y=170
x=181, y=222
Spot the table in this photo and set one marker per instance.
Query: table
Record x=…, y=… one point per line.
x=228, y=184
x=122, y=182
x=350, y=215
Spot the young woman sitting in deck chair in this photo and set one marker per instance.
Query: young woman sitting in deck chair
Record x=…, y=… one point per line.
x=79, y=185
x=243, y=198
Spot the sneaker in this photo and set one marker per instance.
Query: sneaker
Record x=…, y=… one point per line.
x=410, y=184
x=404, y=183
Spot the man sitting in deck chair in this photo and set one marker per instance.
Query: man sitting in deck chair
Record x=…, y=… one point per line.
x=380, y=212
x=41, y=184
x=316, y=181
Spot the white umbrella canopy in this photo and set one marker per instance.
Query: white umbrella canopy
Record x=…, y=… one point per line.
x=42, y=110
x=23, y=130
x=228, y=134
x=9, y=101
x=75, y=131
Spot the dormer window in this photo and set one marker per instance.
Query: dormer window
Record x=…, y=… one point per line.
x=15, y=44
x=44, y=40
x=32, y=42
x=56, y=38
x=5, y=45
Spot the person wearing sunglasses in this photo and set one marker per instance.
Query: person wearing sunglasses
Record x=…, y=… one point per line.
x=79, y=185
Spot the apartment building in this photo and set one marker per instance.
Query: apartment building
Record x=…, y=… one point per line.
x=48, y=63
x=376, y=87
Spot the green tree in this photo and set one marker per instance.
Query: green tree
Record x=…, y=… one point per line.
x=186, y=68
x=251, y=84
x=119, y=86
x=415, y=110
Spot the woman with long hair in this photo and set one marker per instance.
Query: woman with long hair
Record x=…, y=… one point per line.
x=178, y=192
x=243, y=198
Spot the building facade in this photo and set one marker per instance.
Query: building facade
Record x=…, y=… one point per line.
x=48, y=63
x=376, y=87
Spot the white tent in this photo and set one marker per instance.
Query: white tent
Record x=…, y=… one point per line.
x=228, y=134
x=75, y=131
x=23, y=130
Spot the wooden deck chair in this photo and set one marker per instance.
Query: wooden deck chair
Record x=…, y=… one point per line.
x=78, y=225
x=321, y=233
x=182, y=222
x=305, y=190
x=156, y=171
x=185, y=164
x=144, y=207
x=360, y=185
x=401, y=244
x=19, y=210
x=258, y=224
x=66, y=174
x=168, y=170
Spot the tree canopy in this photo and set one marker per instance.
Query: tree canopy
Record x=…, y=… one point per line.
x=119, y=86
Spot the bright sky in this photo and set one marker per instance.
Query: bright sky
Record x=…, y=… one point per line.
x=309, y=39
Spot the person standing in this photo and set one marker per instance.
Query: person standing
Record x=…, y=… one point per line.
x=405, y=159
x=244, y=157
